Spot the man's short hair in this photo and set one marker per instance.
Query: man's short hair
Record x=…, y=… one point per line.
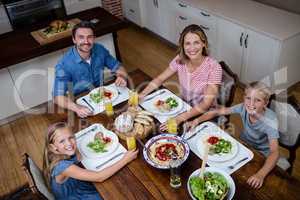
x=83, y=24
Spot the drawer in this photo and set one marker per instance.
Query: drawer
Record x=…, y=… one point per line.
x=205, y=19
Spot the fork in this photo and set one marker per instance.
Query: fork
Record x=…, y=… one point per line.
x=91, y=130
x=159, y=93
x=238, y=162
x=112, y=158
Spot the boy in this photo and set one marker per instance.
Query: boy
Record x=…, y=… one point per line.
x=260, y=127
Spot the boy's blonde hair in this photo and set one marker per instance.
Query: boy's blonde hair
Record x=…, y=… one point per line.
x=261, y=87
x=51, y=159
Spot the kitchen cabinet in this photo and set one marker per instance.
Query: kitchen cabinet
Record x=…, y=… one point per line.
x=34, y=79
x=152, y=18
x=251, y=55
x=10, y=99
x=74, y=6
x=4, y=21
x=132, y=11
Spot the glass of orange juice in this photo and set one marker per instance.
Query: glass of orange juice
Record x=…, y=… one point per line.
x=172, y=125
x=131, y=142
x=108, y=107
x=133, y=98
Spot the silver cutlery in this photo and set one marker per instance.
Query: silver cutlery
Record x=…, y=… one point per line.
x=190, y=137
x=155, y=95
x=91, y=107
x=112, y=158
x=238, y=162
x=91, y=130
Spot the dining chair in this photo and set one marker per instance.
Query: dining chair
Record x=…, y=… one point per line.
x=288, y=114
x=35, y=179
x=227, y=90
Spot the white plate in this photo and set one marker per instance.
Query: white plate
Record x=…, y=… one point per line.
x=213, y=169
x=222, y=156
x=163, y=98
x=110, y=88
x=90, y=138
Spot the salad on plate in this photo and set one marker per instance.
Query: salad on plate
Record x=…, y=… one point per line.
x=219, y=145
x=166, y=105
x=100, y=143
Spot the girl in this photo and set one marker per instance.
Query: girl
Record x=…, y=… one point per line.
x=260, y=127
x=199, y=74
x=63, y=175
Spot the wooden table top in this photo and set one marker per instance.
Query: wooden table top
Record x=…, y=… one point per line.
x=138, y=180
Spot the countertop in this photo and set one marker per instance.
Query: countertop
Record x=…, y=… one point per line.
x=274, y=22
x=18, y=46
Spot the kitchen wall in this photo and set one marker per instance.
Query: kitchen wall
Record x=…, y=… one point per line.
x=289, y=5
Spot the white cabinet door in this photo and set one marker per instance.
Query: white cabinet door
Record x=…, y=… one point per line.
x=152, y=15
x=74, y=6
x=230, y=44
x=34, y=79
x=260, y=57
x=168, y=21
x=131, y=10
x=9, y=96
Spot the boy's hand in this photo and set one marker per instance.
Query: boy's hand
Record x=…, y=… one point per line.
x=256, y=181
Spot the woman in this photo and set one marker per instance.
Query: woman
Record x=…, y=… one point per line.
x=199, y=74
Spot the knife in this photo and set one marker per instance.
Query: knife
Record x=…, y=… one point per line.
x=205, y=126
x=159, y=93
x=112, y=158
x=91, y=107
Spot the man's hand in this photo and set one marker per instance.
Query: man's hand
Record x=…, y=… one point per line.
x=83, y=111
x=120, y=81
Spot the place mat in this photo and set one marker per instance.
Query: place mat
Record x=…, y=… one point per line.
x=98, y=108
x=42, y=39
x=92, y=163
x=243, y=152
x=148, y=105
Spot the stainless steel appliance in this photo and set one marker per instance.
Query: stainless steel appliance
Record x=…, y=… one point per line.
x=27, y=12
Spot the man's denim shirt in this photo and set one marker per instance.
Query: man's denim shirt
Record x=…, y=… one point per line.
x=84, y=76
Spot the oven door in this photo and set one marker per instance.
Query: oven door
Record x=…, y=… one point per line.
x=27, y=12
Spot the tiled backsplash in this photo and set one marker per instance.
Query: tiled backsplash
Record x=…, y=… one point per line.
x=289, y=5
x=113, y=6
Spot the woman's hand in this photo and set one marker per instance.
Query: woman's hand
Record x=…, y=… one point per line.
x=163, y=127
x=130, y=155
x=191, y=125
x=256, y=181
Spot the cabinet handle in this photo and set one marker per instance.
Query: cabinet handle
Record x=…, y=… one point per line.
x=182, y=5
x=183, y=18
x=204, y=14
x=156, y=3
x=204, y=27
x=246, y=41
x=131, y=10
x=241, y=39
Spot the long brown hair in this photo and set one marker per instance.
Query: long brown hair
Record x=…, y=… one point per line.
x=193, y=28
x=50, y=158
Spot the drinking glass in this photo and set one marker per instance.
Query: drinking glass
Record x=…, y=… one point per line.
x=175, y=180
x=131, y=142
x=172, y=125
x=108, y=107
x=133, y=98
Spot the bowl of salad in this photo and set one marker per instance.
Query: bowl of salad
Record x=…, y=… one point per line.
x=216, y=184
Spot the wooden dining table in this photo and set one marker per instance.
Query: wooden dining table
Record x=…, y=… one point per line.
x=138, y=180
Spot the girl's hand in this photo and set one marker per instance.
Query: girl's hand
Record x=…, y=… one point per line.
x=130, y=155
x=256, y=181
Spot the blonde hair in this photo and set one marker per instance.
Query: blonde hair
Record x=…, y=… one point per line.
x=50, y=158
x=193, y=28
x=261, y=87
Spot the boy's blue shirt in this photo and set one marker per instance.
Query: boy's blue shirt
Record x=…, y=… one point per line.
x=258, y=134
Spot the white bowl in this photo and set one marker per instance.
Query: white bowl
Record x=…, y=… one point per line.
x=214, y=169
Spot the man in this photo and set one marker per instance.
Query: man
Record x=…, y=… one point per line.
x=83, y=67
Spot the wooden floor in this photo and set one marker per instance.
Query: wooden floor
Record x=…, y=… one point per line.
x=139, y=49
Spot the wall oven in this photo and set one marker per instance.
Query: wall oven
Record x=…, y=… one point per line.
x=23, y=13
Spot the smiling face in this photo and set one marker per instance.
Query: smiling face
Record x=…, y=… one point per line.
x=193, y=46
x=255, y=101
x=84, y=39
x=64, y=142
